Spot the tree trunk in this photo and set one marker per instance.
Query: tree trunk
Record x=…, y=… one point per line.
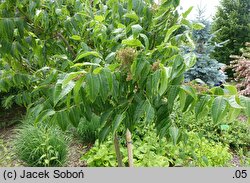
x=118, y=151
x=129, y=147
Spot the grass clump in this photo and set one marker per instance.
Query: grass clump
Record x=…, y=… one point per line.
x=40, y=146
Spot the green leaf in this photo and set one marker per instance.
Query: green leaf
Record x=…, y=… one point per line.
x=132, y=42
x=218, y=109
x=190, y=60
x=99, y=18
x=7, y=26
x=187, y=23
x=189, y=101
x=174, y=133
x=201, y=105
x=156, y=76
x=192, y=44
x=190, y=91
x=171, y=31
x=117, y=121
x=163, y=127
x=176, y=2
x=146, y=41
x=104, y=133
x=233, y=114
x=110, y=57
x=97, y=70
x=20, y=26
x=233, y=103
x=224, y=127
x=62, y=119
x=64, y=91
x=149, y=112
x=104, y=85
x=182, y=99
x=205, y=160
x=217, y=91
x=88, y=53
x=78, y=85
x=172, y=93
x=108, y=75
x=71, y=76
x=105, y=116
x=230, y=90
x=132, y=15
x=186, y=13
x=139, y=111
x=44, y=115
x=75, y=116
x=130, y=5
x=198, y=26
x=8, y=101
x=76, y=37
x=92, y=86
x=163, y=81
x=84, y=64
x=136, y=30
x=136, y=69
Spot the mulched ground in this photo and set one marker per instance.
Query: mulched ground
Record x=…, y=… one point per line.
x=7, y=135
x=236, y=161
x=76, y=150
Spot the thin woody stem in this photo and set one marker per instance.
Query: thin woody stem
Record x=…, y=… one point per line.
x=118, y=151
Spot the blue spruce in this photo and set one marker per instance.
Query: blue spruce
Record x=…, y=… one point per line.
x=206, y=68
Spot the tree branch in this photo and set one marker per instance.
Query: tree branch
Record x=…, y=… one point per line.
x=67, y=44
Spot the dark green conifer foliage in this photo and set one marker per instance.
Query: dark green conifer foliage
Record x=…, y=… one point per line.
x=232, y=19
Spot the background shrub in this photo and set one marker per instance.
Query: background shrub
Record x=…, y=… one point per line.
x=235, y=134
x=241, y=66
x=41, y=146
x=200, y=152
x=231, y=24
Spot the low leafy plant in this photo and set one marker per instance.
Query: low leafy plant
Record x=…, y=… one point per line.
x=235, y=134
x=150, y=151
x=87, y=131
x=200, y=152
x=103, y=155
x=40, y=146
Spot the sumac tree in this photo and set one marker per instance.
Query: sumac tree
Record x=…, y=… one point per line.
x=117, y=60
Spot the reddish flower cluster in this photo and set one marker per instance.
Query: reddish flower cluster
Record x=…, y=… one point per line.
x=241, y=66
